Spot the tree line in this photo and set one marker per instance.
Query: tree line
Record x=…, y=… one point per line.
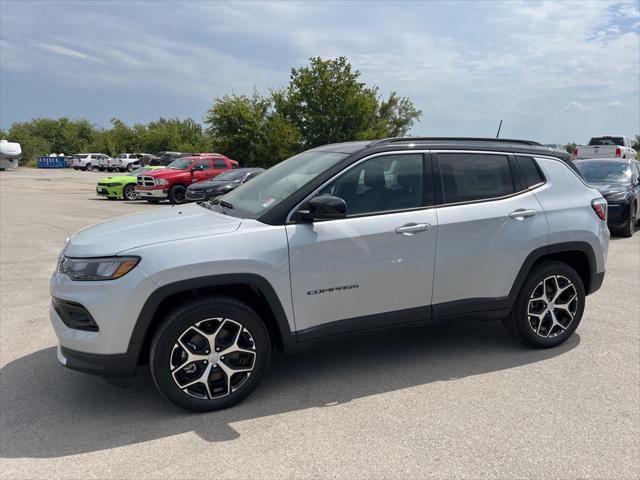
x=324, y=102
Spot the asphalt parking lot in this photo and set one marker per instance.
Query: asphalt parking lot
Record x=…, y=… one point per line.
x=455, y=400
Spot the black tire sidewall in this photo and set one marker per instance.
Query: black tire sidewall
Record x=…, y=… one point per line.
x=519, y=313
x=172, y=194
x=178, y=320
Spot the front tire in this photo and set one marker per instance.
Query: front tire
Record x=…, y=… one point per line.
x=129, y=167
x=209, y=354
x=129, y=192
x=549, y=307
x=177, y=194
x=89, y=167
x=629, y=226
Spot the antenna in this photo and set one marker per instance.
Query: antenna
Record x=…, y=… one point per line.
x=499, y=127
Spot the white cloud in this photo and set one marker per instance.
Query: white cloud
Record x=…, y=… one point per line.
x=69, y=52
x=575, y=107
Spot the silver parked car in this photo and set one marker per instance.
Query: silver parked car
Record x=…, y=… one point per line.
x=338, y=239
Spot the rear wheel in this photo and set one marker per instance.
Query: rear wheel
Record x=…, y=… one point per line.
x=130, y=167
x=177, y=194
x=129, y=192
x=209, y=354
x=549, y=306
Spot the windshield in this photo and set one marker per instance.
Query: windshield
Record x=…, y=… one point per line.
x=180, y=163
x=595, y=141
x=254, y=198
x=140, y=171
x=83, y=155
x=232, y=176
x=601, y=172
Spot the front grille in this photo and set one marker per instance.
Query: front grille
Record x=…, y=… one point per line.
x=146, y=181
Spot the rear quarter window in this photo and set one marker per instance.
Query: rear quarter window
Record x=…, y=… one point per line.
x=531, y=171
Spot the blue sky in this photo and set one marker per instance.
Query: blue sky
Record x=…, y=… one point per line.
x=553, y=71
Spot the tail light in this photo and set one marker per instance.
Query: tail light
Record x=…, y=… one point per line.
x=599, y=206
x=575, y=152
x=618, y=151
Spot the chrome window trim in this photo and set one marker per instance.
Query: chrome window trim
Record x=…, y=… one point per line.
x=343, y=172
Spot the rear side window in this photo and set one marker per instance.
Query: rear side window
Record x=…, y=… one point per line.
x=531, y=171
x=219, y=164
x=474, y=176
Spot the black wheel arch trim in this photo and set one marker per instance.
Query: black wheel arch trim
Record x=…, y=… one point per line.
x=148, y=312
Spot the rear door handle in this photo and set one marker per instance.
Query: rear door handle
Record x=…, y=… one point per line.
x=412, y=228
x=522, y=213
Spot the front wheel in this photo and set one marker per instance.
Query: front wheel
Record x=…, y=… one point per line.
x=629, y=226
x=549, y=307
x=89, y=167
x=129, y=192
x=130, y=167
x=209, y=354
x=177, y=194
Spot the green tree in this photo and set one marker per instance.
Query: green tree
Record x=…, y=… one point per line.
x=570, y=147
x=248, y=129
x=327, y=103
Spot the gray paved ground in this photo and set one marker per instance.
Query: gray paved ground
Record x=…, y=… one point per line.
x=448, y=401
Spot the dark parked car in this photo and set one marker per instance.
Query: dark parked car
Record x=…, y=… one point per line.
x=618, y=180
x=163, y=159
x=223, y=183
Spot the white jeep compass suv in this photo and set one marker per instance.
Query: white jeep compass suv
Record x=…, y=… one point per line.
x=335, y=240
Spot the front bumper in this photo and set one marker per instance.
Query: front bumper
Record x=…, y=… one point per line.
x=112, y=192
x=155, y=193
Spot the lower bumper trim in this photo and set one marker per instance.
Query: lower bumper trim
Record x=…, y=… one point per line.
x=111, y=366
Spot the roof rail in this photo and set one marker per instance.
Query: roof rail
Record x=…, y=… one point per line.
x=456, y=139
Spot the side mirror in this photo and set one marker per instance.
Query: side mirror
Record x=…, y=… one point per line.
x=323, y=207
x=199, y=168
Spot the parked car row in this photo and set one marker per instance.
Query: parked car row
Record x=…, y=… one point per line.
x=190, y=178
x=607, y=146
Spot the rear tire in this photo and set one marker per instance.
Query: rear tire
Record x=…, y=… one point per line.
x=177, y=194
x=187, y=357
x=549, y=307
x=129, y=167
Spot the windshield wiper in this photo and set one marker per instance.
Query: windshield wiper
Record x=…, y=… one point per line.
x=225, y=204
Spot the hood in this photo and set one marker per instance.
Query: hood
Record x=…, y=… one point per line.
x=156, y=226
x=609, y=188
x=213, y=184
x=165, y=172
x=119, y=178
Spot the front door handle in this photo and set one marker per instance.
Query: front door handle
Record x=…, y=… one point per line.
x=521, y=214
x=412, y=228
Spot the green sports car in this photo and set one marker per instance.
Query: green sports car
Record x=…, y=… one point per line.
x=122, y=186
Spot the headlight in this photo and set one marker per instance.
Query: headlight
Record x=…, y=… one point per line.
x=114, y=184
x=161, y=181
x=105, y=268
x=617, y=196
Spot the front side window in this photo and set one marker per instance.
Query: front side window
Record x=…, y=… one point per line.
x=384, y=183
x=470, y=177
x=202, y=164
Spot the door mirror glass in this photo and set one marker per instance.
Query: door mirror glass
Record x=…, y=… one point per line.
x=323, y=207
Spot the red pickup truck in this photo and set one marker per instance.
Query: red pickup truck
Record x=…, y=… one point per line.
x=172, y=182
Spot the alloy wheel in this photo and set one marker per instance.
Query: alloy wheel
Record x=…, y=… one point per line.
x=130, y=192
x=552, y=306
x=212, y=358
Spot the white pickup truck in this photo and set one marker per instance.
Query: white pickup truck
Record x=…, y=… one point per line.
x=607, y=146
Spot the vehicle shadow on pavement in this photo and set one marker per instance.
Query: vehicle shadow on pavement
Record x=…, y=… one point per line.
x=48, y=411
